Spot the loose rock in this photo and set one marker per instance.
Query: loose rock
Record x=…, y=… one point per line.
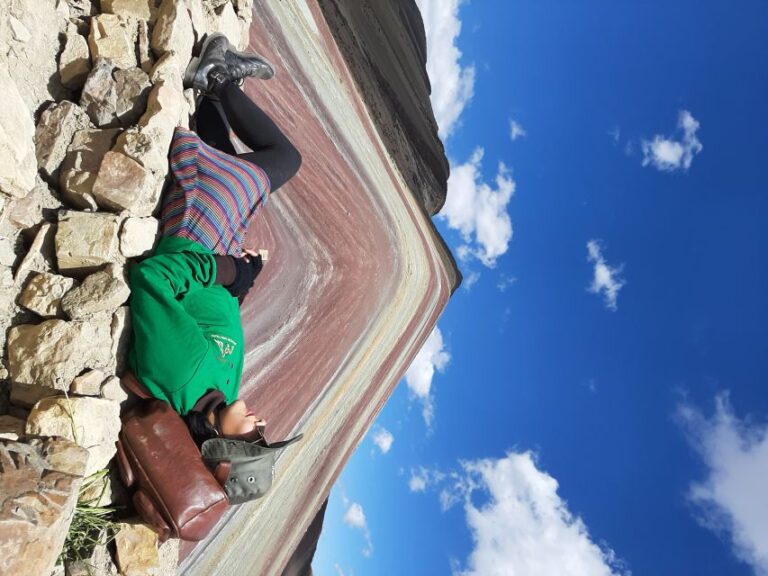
x=75, y=60
x=120, y=331
x=101, y=291
x=138, y=236
x=166, y=109
x=136, y=546
x=173, y=30
x=54, y=352
x=99, y=96
x=140, y=9
x=7, y=252
x=132, y=91
x=99, y=564
x=82, y=163
x=54, y=133
x=148, y=146
x=18, y=164
x=114, y=37
x=39, y=257
x=227, y=23
x=112, y=390
x=88, y=384
x=85, y=241
x=27, y=395
x=43, y=293
x=11, y=427
x=124, y=184
x=39, y=482
x=146, y=60
x=92, y=423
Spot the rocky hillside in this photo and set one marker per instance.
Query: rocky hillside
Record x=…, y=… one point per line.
x=357, y=275
x=91, y=94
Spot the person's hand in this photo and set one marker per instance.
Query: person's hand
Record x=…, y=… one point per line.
x=247, y=267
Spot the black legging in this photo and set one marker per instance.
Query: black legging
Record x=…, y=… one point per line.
x=272, y=151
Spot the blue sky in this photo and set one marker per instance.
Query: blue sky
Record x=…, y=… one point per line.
x=594, y=399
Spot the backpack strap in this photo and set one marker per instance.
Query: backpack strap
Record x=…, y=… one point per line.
x=284, y=443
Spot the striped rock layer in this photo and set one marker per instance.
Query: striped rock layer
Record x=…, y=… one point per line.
x=356, y=279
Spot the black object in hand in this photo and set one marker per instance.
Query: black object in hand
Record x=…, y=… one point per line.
x=246, y=270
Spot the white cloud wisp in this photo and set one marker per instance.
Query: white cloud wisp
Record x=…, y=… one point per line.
x=432, y=357
x=733, y=499
x=479, y=211
x=354, y=516
x=383, y=439
x=605, y=279
x=666, y=153
x=516, y=130
x=452, y=84
x=523, y=527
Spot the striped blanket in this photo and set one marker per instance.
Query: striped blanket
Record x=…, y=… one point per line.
x=212, y=196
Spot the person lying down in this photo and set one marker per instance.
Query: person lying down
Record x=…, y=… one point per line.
x=187, y=346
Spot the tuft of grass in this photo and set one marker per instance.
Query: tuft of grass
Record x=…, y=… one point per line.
x=91, y=525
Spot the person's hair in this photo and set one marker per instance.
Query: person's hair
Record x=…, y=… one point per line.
x=199, y=427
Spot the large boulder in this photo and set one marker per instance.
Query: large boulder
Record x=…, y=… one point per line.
x=54, y=133
x=92, y=423
x=86, y=241
x=43, y=293
x=39, y=483
x=18, y=163
x=54, y=352
x=114, y=37
x=82, y=163
x=102, y=291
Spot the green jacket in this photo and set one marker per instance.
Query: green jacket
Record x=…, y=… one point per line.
x=187, y=337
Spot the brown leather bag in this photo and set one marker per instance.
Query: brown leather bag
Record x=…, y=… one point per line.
x=175, y=493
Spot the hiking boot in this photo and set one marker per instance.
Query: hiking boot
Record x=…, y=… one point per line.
x=241, y=65
x=219, y=65
x=212, y=56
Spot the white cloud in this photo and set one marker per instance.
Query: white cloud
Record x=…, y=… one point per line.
x=516, y=130
x=505, y=282
x=523, y=527
x=417, y=482
x=432, y=357
x=470, y=279
x=424, y=478
x=615, y=134
x=354, y=516
x=479, y=211
x=452, y=83
x=733, y=499
x=606, y=279
x=383, y=438
x=669, y=154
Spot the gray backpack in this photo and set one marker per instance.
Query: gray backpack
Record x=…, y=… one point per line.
x=251, y=465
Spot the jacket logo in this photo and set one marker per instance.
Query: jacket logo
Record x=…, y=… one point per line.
x=226, y=345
